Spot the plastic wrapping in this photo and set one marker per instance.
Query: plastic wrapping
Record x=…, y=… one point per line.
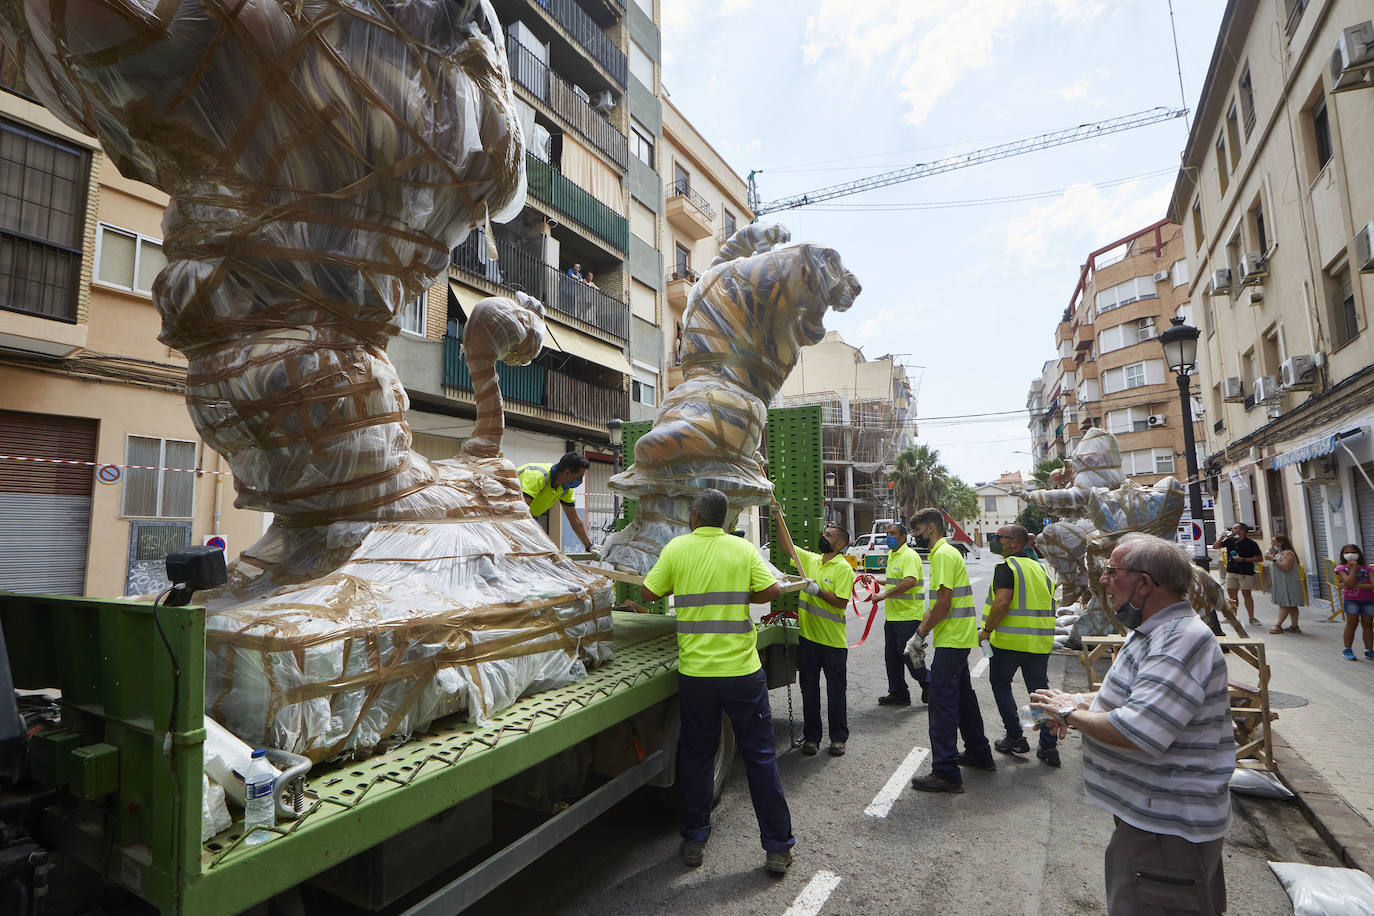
x=214, y=813
x=1131, y=507
x=1096, y=462
x=747, y=318
x=1245, y=781
x=1318, y=890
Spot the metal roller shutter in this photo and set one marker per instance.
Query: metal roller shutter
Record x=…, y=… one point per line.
x=45, y=509
x=1364, y=505
x=1316, y=520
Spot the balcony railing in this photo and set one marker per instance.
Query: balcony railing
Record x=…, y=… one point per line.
x=595, y=405
x=519, y=270
x=682, y=188
x=549, y=185
x=38, y=278
x=682, y=272
x=525, y=384
x=532, y=73
x=588, y=34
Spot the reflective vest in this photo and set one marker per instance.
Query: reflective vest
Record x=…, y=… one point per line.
x=905, y=563
x=1029, y=623
x=959, y=629
x=711, y=576
x=821, y=622
x=534, y=481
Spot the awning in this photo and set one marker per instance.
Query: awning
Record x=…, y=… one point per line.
x=561, y=338
x=1315, y=448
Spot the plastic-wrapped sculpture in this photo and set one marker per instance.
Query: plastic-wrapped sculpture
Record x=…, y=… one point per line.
x=323, y=157
x=1099, y=506
x=747, y=318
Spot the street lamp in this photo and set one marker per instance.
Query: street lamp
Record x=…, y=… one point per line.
x=615, y=430
x=1180, y=353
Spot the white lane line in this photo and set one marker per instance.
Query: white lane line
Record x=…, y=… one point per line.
x=981, y=668
x=882, y=802
x=814, y=895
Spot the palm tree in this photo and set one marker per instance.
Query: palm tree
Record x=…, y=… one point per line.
x=1040, y=477
x=918, y=479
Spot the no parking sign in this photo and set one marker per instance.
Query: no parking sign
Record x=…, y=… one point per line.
x=216, y=540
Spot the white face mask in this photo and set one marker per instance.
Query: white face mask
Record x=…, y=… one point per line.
x=1351, y=557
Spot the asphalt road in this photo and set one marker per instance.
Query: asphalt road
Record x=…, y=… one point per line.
x=1021, y=840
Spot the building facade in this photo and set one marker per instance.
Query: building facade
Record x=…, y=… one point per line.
x=1109, y=370
x=996, y=506
x=1276, y=197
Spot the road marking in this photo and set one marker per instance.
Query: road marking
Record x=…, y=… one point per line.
x=814, y=895
x=981, y=668
x=882, y=802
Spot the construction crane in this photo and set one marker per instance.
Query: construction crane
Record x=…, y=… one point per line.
x=962, y=160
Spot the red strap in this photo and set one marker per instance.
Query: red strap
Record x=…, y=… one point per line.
x=870, y=583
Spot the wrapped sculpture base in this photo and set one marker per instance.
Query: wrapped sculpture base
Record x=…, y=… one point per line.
x=423, y=619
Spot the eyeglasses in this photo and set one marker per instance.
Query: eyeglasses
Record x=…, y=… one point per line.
x=1113, y=570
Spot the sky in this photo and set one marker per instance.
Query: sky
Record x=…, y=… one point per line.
x=965, y=275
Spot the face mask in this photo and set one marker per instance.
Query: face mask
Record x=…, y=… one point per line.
x=573, y=484
x=823, y=545
x=995, y=545
x=891, y=542
x=1351, y=557
x=1130, y=613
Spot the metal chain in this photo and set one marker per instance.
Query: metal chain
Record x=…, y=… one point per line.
x=792, y=740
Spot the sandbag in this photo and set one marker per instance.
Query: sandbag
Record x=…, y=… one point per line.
x=1318, y=890
x=1245, y=781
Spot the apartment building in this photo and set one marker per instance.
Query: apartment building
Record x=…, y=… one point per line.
x=996, y=506
x=868, y=415
x=1276, y=198
x=101, y=470
x=1109, y=370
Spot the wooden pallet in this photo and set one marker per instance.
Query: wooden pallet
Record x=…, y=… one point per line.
x=1249, y=703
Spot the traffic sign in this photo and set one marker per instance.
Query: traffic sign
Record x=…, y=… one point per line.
x=109, y=473
x=216, y=540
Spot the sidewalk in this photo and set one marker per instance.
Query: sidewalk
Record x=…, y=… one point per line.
x=1334, y=730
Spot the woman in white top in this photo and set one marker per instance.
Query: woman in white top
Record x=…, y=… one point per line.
x=1285, y=583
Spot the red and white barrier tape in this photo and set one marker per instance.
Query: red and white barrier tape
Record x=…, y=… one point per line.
x=102, y=464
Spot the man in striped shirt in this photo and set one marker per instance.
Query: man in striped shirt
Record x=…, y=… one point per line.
x=1158, y=747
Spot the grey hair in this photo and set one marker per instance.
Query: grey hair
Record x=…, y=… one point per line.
x=1164, y=561
x=710, y=507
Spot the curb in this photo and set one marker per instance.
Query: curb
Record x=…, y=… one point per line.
x=1334, y=820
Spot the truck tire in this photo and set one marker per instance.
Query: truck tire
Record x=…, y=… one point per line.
x=720, y=769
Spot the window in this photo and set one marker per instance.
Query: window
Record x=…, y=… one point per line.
x=1247, y=101
x=647, y=6
x=1295, y=8
x=1151, y=461
x=1129, y=419
x=641, y=66
x=1126, y=335
x=1259, y=233
x=1272, y=352
x=1180, y=272
x=989, y=503
x=1134, y=375
x=643, y=223
x=128, y=260
x=1197, y=223
x=1233, y=135
x=682, y=179
x=1321, y=133
x=682, y=259
x=641, y=143
x=1164, y=461
x=1211, y=314
x=42, y=215
x=152, y=488
x=1251, y=365
x=644, y=388
x=1132, y=290
x=412, y=317
x=727, y=223
x=1223, y=173
x=1345, y=324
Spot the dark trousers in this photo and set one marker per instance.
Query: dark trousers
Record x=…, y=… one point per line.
x=744, y=700
x=954, y=712
x=812, y=659
x=1034, y=673
x=1152, y=874
x=896, y=634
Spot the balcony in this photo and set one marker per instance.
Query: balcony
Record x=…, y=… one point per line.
x=547, y=185
x=585, y=403
x=519, y=270
x=533, y=74
x=525, y=384
x=689, y=212
x=584, y=30
x=678, y=285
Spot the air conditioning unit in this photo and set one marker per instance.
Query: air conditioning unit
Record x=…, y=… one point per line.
x=1156, y=419
x=1221, y=281
x=1266, y=389
x=1364, y=248
x=1353, y=57
x=1317, y=471
x=603, y=101
x=1298, y=372
x=1254, y=267
x=1161, y=276
x=1233, y=389
x=1256, y=295
x=581, y=93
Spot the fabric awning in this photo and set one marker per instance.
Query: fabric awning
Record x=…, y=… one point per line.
x=1314, y=448
x=561, y=338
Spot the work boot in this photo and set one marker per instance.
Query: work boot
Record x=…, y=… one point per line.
x=1049, y=754
x=1012, y=745
x=837, y=749
x=964, y=760
x=692, y=853
x=890, y=700
x=777, y=863
x=810, y=748
x=933, y=783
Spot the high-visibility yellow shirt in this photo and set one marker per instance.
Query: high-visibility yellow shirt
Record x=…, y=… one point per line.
x=1029, y=623
x=821, y=622
x=711, y=575
x=959, y=629
x=909, y=605
x=536, y=480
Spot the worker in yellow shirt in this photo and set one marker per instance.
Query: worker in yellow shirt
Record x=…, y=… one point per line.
x=822, y=645
x=904, y=605
x=546, y=484
x=715, y=578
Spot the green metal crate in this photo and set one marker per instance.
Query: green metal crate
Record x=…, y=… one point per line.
x=793, y=442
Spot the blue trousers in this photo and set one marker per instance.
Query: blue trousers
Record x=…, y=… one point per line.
x=1034, y=668
x=896, y=634
x=812, y=659
x=744, y=700
x=954, y=712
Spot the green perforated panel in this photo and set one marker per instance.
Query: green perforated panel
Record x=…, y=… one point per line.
x=793, y=441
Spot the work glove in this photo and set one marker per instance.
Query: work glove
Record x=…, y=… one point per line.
x=595, y=551
x=916, y=650
x=811, y=588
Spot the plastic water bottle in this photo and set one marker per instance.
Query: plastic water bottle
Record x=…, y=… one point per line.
x=986, y=646
x=1032, y=717
x=258, y=807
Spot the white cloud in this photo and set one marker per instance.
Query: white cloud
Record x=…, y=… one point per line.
x=1083, y=214
x=1079, y=89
